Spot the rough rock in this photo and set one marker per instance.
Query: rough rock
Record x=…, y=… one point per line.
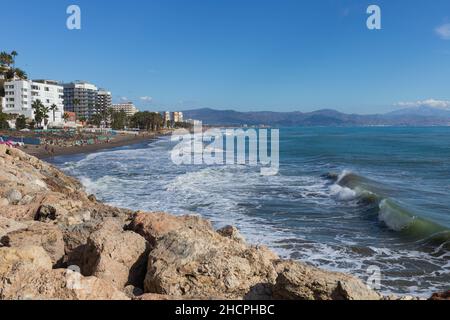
x=194, y=260
x=441, y=296
x=38, y=234
x=34, y=256
x=232, y=233
x=298, y=281
x=162, y=297
x=115, y=255
x=13, y=196
x=157, y=224
x=45, y=212
x=26, y=274
x=9, y=225
x=133, y=292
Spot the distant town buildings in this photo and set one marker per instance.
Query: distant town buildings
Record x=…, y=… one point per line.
x=177, y=117
x=128, y=107
x=193, y=122
x=166, y=117
x=20, y=95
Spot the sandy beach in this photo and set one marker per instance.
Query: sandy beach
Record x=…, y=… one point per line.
x=41, y=152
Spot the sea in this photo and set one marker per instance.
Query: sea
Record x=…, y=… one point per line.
x=369, y=201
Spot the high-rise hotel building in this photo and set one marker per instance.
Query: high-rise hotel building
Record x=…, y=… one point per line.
x=80, y=97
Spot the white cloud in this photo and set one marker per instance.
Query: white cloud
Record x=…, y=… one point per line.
x=432, y=103
x=443, y=31
x=123, y=99
x=146, y=99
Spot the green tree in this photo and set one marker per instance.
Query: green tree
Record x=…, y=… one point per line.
x=119, y=120
x=21, y=122
x=38, y=108
x=66, y=116
x=96, y=119
x=3, y=121
x=45, y=112
x=54, y=108
x=146, y=120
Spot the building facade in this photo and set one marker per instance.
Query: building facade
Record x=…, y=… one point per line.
x=177, y=117
x=104, y=101
x=166, y=118
x=129, y=108
x=80, y=97
x=20, y=95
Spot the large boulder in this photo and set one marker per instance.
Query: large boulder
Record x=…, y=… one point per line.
x=9, y=225
x=26, y=274
x=34, y=256
x=47, y=236
x=441, y=296
x=194, y=260
x=298, y=281
x=116, y=255
x=153, y=225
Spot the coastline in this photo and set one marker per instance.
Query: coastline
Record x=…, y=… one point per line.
x=42, y=153
x=49, y=224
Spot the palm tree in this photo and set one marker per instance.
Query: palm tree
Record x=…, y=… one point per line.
x=45, y=112
x=54, y=108
x=66, y=116
x=6, y=59
x=38, y=108
x=14, y=54
x=19, y=73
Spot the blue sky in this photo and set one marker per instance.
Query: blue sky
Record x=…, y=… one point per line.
x=280, y=55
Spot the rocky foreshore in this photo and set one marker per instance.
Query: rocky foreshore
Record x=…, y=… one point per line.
x=57, y=242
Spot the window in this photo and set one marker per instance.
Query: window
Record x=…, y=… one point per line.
x=47, y=89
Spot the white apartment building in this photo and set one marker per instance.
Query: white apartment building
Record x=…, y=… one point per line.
x=177, y=117
x=128, y=108
x=166, y=117
x=20, y=95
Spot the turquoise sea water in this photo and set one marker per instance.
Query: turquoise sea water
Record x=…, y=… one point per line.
x=345, y=199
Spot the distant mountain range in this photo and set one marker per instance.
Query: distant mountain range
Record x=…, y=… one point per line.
x=417, y=116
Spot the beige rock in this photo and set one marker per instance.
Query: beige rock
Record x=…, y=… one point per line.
x=157, y=224
x=26, y=274
x=117, y=256
x=231, y=232
x=162, y=297
x=3, y=202
x=298, y=281
x=9, y=225
x=38, y=234
x=196, y=261
x=34, y=256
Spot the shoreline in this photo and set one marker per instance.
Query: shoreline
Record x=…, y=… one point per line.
x=122, y=253
x=120, y=141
